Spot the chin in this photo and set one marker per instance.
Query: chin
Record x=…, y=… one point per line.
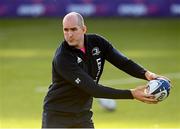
x=71, y=44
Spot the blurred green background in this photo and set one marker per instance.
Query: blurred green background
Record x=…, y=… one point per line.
x=26, y=50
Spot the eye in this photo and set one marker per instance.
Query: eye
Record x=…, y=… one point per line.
x=65, y=29
x=74, y=29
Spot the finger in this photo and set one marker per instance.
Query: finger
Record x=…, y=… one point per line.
x=150, y=98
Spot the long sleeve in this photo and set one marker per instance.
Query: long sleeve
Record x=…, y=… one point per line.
x=121, y=61
x=66, y=66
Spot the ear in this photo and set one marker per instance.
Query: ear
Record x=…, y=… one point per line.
x=84, y=29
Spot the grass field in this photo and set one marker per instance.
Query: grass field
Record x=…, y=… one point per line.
x=26, y=50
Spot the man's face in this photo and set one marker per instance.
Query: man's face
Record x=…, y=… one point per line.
x=73, y=33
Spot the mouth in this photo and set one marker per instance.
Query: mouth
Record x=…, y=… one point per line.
x=70, y=39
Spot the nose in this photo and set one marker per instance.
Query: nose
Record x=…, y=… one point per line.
x=70, y=34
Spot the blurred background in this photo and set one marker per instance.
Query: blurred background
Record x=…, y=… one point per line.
x=147, y=31
x=95, y=8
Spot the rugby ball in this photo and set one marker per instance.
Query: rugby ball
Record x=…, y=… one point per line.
x=108, y=104
x=159, y=87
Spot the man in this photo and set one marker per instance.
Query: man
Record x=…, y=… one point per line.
x=76, y=69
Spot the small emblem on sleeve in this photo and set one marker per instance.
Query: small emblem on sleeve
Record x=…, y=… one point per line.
x=95, y=51
x=77, y=81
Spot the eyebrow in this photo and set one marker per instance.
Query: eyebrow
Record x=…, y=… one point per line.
x=73, y=28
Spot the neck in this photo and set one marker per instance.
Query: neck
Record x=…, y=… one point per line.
x=81, y=44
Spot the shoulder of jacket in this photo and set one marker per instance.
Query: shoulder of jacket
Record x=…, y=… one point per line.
x=96, y=37
x=93, y=35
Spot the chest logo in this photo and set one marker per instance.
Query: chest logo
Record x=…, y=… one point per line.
x=79, y=60
x=95, y=51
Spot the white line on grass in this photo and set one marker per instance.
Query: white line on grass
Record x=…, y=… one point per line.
x=112, y=82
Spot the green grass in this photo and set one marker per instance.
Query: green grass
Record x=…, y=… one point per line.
x=26, y=50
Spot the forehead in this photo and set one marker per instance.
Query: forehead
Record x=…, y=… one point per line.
x=70, y=22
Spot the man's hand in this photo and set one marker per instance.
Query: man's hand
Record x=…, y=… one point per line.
x=151, y=76
x=139, y=94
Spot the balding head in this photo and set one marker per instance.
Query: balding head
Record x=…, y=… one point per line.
x=74, y=29
x=74, y=17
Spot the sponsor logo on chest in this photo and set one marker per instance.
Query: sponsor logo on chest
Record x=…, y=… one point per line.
x=96, y=51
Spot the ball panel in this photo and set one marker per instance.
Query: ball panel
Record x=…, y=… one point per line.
x=161, y=95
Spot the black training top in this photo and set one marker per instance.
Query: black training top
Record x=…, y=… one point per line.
x=75, y=75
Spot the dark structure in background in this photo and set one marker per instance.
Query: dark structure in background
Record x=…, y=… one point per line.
x=135, y=8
